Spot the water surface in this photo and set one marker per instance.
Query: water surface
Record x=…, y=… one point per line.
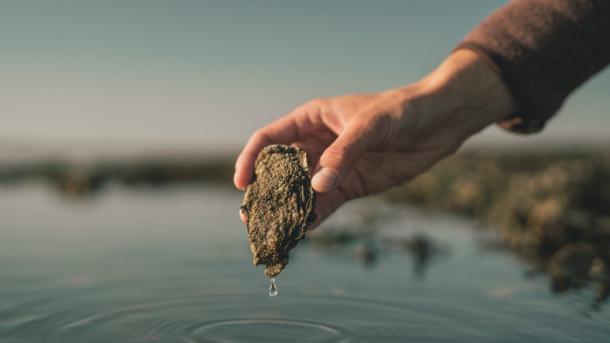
x=174, y=266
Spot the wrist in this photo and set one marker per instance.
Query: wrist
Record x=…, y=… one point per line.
x=466, y=92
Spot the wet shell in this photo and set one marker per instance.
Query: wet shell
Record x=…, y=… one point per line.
x=279, y=204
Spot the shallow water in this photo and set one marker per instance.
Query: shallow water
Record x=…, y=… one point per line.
x=174, y=266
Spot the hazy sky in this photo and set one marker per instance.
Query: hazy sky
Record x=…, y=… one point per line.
x=210, y=72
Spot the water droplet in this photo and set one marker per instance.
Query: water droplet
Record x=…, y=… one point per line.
x=272, y=287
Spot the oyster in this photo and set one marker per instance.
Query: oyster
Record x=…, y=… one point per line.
x=279, y=204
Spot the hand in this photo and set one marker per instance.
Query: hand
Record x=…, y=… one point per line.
x=365, y=144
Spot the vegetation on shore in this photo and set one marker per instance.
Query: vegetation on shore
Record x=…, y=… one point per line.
x=552, y=209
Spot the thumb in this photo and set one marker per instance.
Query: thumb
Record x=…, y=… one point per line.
x=339, y=157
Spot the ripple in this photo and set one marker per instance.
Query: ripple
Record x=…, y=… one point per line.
x=225, y=318
x=249, y=330
x=254, y=317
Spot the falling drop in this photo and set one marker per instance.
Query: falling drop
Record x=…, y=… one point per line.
x=272, y=287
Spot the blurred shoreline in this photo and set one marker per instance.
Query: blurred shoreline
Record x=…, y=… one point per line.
x=550, y=205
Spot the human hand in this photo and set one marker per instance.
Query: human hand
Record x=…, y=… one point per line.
x=365, y=144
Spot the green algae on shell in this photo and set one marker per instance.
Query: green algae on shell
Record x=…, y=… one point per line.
x=279, y=205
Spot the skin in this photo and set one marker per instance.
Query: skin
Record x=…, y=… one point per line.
x=363, y=144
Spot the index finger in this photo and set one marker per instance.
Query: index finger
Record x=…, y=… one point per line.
x=282, y=131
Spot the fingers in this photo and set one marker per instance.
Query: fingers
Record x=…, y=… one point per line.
x=340, y=156
x=282, y=131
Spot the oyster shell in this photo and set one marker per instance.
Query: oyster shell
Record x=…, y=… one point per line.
x=279, y=204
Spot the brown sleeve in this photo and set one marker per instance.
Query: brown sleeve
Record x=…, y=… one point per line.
x=543, y=50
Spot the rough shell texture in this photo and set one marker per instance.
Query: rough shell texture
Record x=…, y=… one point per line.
x=279, y=204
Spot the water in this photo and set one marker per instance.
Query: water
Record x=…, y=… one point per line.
x=272, y=288
x=174, y=266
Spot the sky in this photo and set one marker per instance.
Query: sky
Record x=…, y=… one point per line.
x=208, y=73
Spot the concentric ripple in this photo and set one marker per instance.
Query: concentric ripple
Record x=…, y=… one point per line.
x=234, y=318
x=248, y=330
x=255, y=318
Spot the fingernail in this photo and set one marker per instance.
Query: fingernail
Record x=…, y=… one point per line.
x=324, y=180
x=243, y=216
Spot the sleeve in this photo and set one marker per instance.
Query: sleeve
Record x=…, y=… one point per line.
x=543, y=50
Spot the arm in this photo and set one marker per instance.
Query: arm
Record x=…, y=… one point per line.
x=517, y=67
x=366, y=144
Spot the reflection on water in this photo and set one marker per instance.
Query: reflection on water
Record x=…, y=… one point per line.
x=367, y=237
x=174, y=266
